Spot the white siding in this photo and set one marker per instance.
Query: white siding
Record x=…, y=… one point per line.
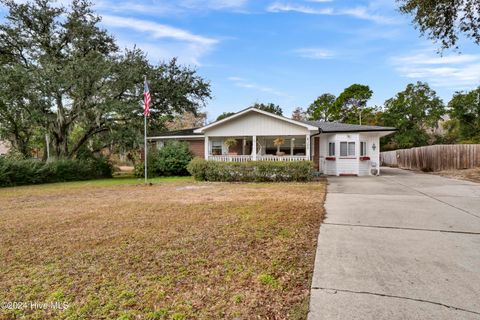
x=254, y=123
x=330, y=167
x=348, y=164
x=370, y=138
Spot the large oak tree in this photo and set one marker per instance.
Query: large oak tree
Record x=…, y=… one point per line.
x=413, y=112
x=445, y=20
x=71, y=80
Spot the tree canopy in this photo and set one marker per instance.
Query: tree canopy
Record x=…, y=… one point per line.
x=299, y=114
x=225, y=115
x=186, y=120
x=324, y=108
x=464, y=111
x=445, y=20
x=72, y=81
x=413, y=111
x=269, y=107
x=351, y=104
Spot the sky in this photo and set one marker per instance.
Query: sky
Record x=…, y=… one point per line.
x=289, y=52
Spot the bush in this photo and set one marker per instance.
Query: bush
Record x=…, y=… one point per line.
x=171, y=160
x=14, y=172
x=258, y=171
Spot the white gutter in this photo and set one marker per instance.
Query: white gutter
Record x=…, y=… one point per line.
x=175, y=137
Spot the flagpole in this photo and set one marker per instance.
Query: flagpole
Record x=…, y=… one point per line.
x=145, y=144
x=145, y=140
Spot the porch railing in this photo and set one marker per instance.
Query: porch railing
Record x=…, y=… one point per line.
x=231, y=158
x=281, y=158
x=244, y=158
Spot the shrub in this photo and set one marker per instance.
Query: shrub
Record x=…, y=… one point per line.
x=258, y=171
x=171, y=160
x=14, y=172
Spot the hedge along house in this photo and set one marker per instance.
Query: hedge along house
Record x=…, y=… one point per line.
x=253, y=134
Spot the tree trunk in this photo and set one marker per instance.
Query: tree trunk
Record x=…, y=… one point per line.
x=60, y=131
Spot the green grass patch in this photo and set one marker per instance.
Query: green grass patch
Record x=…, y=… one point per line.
x=115, y=181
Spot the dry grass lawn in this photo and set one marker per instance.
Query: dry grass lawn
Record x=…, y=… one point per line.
x=174, y=250
x=465, y=174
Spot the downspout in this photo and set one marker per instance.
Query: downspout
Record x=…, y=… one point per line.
x=310, y=146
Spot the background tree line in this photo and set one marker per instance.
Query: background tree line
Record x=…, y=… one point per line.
x=420, y=116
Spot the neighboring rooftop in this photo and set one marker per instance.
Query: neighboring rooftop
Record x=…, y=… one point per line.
x=183, y=132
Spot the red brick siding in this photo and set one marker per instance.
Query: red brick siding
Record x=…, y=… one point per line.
x=238, y=147
x=196, y=147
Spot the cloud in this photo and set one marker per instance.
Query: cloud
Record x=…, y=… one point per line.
x=156, y=30
x=314, y=53
x=363, y=13
x=425, y=59
x=160, y=41
x=281, y=7
x=163, y=7
x=214, y=4
x=244, y=83
x=454, y=71
x=136, y=7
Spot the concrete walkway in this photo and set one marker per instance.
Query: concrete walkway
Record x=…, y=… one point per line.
x=400, y=246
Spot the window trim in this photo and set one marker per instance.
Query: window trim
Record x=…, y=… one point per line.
x=331, y=151
x=216, y=147
x=348, y=155
x=363, y=148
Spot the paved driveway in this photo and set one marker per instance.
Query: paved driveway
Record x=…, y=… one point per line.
x=401, y=246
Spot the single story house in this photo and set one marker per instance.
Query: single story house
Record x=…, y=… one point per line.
x=335, y=148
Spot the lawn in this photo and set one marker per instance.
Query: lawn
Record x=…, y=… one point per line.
x=117, y=249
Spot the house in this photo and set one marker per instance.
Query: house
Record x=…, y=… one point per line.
x=335, y=148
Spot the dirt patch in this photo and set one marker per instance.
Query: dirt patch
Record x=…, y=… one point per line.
x=168, y=251
x=466, y=174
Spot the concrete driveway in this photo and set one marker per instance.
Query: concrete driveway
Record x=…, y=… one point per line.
x=400, y=246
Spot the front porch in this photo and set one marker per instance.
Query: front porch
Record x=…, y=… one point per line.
x=256, y=148
x=244, y=158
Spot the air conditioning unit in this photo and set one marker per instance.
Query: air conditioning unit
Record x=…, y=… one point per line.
x=373, y=169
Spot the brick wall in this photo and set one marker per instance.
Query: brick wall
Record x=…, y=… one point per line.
x=196, y=147
x=238, y=147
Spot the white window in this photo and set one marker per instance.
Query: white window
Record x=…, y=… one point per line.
x=216, y=148
x=331, y=149
x=347, y=149
x=363, y=148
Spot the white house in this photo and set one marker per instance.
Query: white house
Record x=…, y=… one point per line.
x=335, y=148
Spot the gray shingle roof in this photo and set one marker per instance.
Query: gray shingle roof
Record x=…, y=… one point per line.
x=345, y=127
x=183, y=132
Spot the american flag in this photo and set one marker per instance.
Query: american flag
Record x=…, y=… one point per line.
x=146, y=99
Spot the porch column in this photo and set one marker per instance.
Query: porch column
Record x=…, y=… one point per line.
x=254, y=148
x=292, y=142
x=244, y=144
x=206, y=147
x=308, y=146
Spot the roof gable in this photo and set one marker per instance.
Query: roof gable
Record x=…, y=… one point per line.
x=250, y=110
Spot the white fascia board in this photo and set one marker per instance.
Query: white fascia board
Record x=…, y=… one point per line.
x=236, y=115
x=377, y=133
x=176, y=137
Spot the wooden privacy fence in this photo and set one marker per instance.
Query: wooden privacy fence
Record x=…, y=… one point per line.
x=434, y=158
